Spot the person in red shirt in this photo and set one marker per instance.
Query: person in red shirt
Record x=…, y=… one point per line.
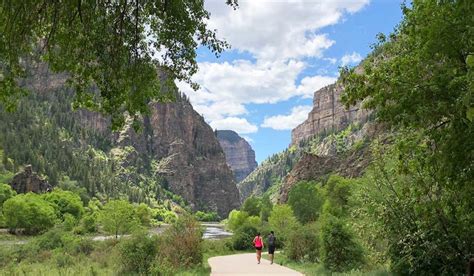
x=258, y=243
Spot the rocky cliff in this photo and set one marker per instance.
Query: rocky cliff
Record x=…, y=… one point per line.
x=238, y=153
x=346, y=153
x=29, y=181
x=328, y=114
x=176, y=149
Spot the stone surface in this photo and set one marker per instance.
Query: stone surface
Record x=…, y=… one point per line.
x=28, y=181
x=238, y=153
x=328, y=114
x=351, y=163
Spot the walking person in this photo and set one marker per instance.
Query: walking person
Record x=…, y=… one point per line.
x=258, y=243
x=271, y=246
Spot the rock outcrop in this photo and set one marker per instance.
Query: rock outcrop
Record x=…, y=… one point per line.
x=328, y=114
x=238, y=153
x=327, y=158
x=28, y=181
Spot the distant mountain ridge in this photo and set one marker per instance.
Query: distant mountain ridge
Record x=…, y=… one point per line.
x=239, y=154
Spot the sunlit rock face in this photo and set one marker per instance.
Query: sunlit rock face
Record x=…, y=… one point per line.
x=328, y=114
x=239, y=154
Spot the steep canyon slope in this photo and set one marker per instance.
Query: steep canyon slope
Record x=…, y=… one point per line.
x=331, y=140
x=175, y=150
x=239, y=154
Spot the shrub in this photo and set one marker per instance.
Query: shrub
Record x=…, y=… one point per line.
x=236, y=219
x=137, y=253
x=143, y=214
x=243, y=237
x=339, y=249
x=180, y=244
x=303, y=244
x=88, y=224
x=252, y=206
x=6, y=192
x=30, y=212
x=203, y=216
x=65, y=202
x=69, y=222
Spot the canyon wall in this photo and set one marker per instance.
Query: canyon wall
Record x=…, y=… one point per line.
x=239, y=154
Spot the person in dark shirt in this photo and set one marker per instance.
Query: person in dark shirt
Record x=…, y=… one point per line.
x=271, y=245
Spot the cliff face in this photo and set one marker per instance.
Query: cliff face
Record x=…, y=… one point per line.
x=238, y=153
x=192, y=160
x=176, y=148
x=328, y=114
x=347, y=154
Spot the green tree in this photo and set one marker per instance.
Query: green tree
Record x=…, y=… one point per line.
x=306, y=200
x=138, y=253
x=252, y=206
x=143, y=213
x=339, y=249
x=282, y=221
x=111, y=45
x=6, y=192
x=427, y=224
x=337, y=192
x=118, y=217
x=236, y=219
x=30, y=212
x=266, y=207
x=65, y=202
x=422, y=78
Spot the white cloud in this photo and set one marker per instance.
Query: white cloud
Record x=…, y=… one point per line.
x=351, y=59
x=279, y=29
x=309, y=85
x=287, y=122
x=279, y=35
x=239, y=125
x=331, y=60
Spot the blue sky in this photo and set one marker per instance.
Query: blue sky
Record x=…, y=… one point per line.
x=282, y=52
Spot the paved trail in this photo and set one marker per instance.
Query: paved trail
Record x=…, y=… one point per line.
x=246, y=264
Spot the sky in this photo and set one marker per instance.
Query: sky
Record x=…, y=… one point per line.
x=282, y=52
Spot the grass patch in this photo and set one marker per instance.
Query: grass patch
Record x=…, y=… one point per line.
x=318, y=269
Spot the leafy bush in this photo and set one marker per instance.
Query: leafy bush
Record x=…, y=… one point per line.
x=137, y=253
x=252, y=206
x=30, y=212
x=69, y=222
x=339, y=249
x=6, y=192
x=236, y=219
x=65, y=202
x=303, y=244
x=143, y=214
x=203, y=216
x=88, y=224
x=180, y=245
x=243, y=237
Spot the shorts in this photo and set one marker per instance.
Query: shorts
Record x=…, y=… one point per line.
x=258, y=247
x=271, y=249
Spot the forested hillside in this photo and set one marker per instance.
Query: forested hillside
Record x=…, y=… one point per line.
x=66, y=144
